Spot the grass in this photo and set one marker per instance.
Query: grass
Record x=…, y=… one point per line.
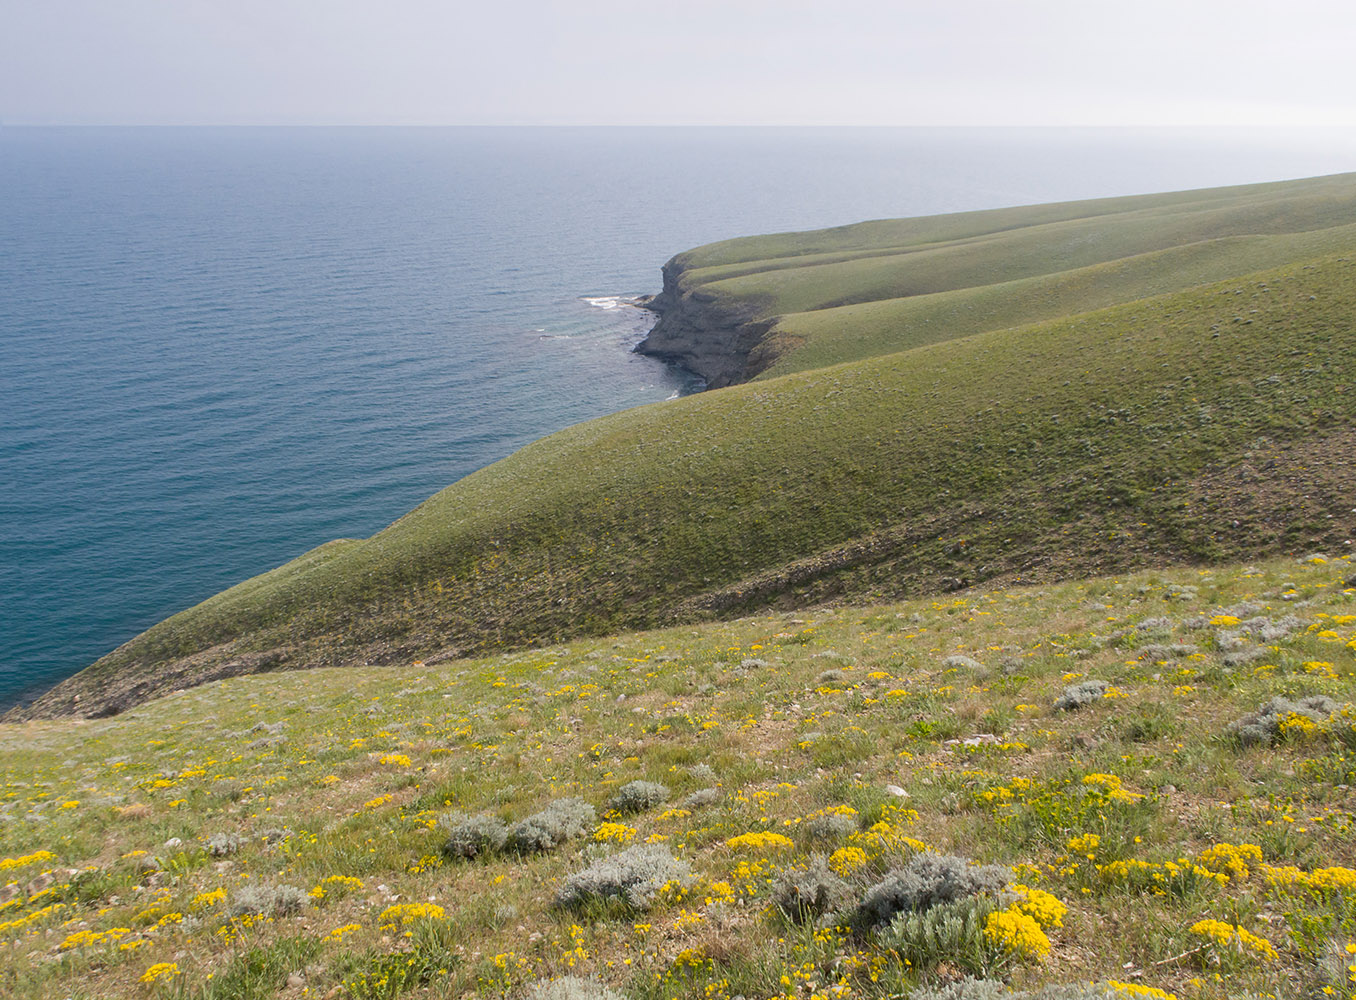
x=1135, y=812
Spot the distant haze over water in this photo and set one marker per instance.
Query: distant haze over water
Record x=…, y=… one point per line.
x=222, y=347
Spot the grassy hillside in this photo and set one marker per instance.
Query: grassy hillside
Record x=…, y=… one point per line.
x=289, y=835
x=871, y=238
x=911, y=282
x=1208, y=423
x=835, y=334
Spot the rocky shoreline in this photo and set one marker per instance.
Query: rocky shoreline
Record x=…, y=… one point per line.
x=704, y=333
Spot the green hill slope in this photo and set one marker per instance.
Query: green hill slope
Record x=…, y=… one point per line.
x=1207, y=423
x=897, y=284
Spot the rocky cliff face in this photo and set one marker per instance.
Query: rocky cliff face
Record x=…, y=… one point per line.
x=720, y=340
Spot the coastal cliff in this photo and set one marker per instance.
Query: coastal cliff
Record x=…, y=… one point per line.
x=724, y=342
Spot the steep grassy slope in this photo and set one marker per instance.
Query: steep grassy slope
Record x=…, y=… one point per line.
x=1201, y=425
x=145, y=846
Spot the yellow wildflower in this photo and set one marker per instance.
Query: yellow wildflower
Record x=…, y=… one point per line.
x=159, y=971
x=759, y=842
x=1018, y=933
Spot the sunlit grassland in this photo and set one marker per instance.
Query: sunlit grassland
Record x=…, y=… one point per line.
x=334, y=780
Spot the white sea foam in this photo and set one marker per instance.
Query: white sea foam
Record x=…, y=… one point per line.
x=604, y=301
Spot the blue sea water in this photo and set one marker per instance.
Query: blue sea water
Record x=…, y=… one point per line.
x=222, y=347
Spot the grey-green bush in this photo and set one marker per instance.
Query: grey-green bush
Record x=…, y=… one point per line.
x=809, y=892
x=970, y=988
x=701, y=797
x=562, y=820
x=702, y=772
x=1075, y=696
x=267, y=901
x=834, y=826
x=1264, y=725
x=632, y=877
x=928, y=880
x=219, y=845
x=951, y=932
x=637, y=796
x=472, y=836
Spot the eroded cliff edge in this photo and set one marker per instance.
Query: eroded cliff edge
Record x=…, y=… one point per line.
x=724, y=340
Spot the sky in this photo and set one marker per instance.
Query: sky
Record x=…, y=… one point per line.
x=699, y=62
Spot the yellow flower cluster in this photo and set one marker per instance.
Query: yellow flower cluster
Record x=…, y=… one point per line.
x=687, y=919
x=205, y=899
x=618, y=833
x=81, y=939
x=159, y=971
x=1040, y=905
x=847, y=860
x=35, y=917
x=1110, y=786
x=1136, y=990
x=26, y=859
x=720, y=892
x=397, y=759
x=1159, y=876
x=408, y=913
x=1335, y=879
x=335, y=884
x=1227, y=935
x=1017, y=933
x=1296, y=726
x=576, y=952
x=1237, y=860
x=761, y=841
x=831, y=811
x=693, y=958
x=749, y=878
x=1086, y=844
x=888, y=834
x=338, y=933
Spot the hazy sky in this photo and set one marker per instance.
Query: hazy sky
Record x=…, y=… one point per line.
x=849, y=62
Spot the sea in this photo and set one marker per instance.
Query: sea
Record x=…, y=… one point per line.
x=221, y=347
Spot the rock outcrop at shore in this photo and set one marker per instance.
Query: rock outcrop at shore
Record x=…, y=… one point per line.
x=707, y=333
